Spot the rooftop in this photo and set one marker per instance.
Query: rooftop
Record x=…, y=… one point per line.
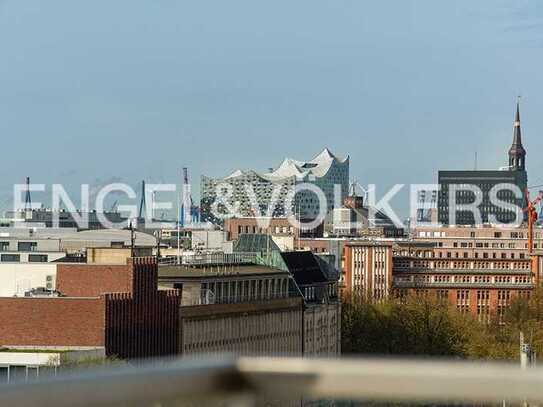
x=183, y=271
x=317, y=167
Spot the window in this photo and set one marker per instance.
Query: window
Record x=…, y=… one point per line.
x=462, y=300
x=4, y=246
x=37, y=258
x=483, y=306
x=13, y=258
x=442, y=295
x=27, y=246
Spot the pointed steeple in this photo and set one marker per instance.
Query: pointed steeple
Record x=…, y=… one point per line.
x=517, y=154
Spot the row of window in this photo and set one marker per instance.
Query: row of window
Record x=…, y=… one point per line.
x=463, y=279
x=16, y=258
x=248, y=290
x=462, y=265
x=21, y=246
x=485, y=255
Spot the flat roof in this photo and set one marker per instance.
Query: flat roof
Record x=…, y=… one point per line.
x=183, y=271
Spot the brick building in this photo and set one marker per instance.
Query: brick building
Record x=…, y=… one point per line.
x=116, y=307
x=482, y=287
x=367, y=269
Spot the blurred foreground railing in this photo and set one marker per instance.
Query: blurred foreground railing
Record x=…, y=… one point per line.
x=247, y=380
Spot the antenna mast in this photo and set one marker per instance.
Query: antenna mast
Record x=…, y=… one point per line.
x=143, y=205
x=28, y=200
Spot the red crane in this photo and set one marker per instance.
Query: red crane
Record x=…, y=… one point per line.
x=532, y=217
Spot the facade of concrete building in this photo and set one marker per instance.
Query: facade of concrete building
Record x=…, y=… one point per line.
x=367, y=271
x=16, y=280
x=291, y=307
x=29, y=250
x=119, y=308
x=265, y=327
x=325, y=171
x=67, y=240
x=27, y=364
x=240, y=309
x=317, y=281
x=208, y=239
x=487, y=181
x=226, y=283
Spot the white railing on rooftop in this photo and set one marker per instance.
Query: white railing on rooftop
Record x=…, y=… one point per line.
x=209, y=259
x=247, y=380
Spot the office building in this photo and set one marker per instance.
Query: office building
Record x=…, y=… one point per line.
x=367, y=270
x=485, y=180
x=229, y=306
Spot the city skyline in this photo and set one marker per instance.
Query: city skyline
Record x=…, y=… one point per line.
x=360, y=80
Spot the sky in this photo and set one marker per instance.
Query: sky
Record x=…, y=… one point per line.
x=96, y=91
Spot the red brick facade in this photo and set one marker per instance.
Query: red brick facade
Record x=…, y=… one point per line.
x=122, y=310
x=91, y=280
x=482, y=287
x=52, y=321
x=143, y=322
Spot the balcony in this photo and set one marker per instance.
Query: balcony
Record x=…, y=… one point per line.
x=250, y=381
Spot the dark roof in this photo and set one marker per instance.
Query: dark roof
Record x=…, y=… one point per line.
x=304, y=267
x=516, y=147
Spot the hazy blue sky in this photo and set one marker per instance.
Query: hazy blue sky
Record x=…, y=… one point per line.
x=95, y=90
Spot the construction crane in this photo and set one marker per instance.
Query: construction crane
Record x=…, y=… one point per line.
x=531, y=213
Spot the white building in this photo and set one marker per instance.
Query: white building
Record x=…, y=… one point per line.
x=325, y=171
x=26, y=364
x=17, y=278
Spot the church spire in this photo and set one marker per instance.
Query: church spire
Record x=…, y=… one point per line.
x=517, y=154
